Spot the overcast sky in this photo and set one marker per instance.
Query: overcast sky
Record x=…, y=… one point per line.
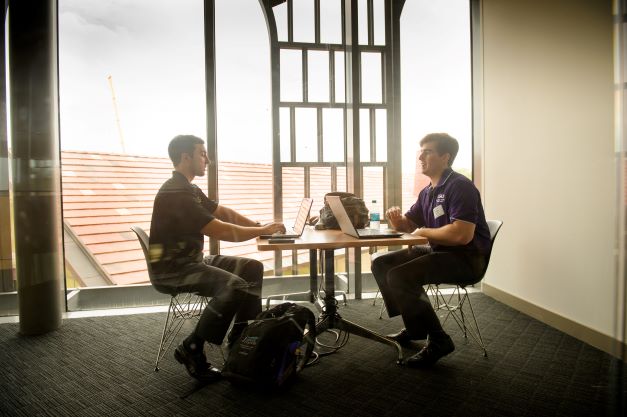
x=153, y=50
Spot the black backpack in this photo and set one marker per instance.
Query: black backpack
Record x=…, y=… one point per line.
x=355, y=208
x=273, y=349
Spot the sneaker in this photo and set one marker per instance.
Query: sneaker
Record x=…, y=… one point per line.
x=431, y=353
x=196, y=365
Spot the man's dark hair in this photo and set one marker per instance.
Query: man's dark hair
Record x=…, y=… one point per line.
x=444, y=143
x=182, y=144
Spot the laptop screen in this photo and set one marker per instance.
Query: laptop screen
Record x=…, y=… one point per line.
x=303, y=214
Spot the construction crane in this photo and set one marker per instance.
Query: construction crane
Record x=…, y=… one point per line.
x=117, y=114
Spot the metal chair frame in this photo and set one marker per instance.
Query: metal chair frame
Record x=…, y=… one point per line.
x=182, y=307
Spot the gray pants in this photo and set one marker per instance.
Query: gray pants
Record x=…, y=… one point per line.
x=234, y=284
x=402, y=274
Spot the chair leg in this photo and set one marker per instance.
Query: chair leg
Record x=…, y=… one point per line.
x=180, y=309
x=456, y=311
x=383, y=308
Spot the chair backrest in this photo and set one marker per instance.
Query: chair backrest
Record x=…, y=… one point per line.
x=144, y=243
x=494, y=226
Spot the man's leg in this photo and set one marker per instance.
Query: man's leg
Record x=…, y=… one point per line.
x=381, y=266
x=251, y=271
x=406, y=282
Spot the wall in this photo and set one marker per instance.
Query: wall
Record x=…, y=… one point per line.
x=548, y=162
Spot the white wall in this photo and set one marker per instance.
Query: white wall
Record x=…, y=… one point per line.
x=549, y=155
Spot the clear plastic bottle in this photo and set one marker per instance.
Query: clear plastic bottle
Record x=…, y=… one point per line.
x=375, y=215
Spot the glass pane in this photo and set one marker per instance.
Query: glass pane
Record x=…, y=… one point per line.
x=333, y=135
x=364, y=135
x=362, y=15
x=373, y=185
x=121, y=103
x=7, y=266
x=434, y=100
x=331, y=21
x=320, y=185
x=284, y=134
x=379, y=22
x=306, y=135
x=318, y=76
x=304, y=27
x=291, y=75
x=381, y=138
x=340, y=88
x=280, y=17
x=371, y=77
x=293, y=192
x=242, y=84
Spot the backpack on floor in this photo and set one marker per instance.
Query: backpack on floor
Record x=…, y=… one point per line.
x=273, y=349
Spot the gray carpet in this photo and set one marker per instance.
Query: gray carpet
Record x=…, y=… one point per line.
x=104, y=366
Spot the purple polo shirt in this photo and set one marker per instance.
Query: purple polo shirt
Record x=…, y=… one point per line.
x=454, y=198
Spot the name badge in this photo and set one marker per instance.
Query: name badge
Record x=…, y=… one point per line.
x=438, y=211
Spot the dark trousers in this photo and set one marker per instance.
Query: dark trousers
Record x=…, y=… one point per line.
x=234, y=284
x=402, y=274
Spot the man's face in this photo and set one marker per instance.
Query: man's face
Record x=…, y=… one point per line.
x=432, y=163
x=199, y=160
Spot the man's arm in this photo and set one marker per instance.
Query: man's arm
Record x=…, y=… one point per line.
x=231, y=216
x=231, y=232
x=399, y=221
x=457, y=233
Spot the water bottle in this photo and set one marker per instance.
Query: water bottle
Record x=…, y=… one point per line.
x=375, y=215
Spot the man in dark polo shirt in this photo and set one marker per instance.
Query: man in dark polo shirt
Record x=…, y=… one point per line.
x=182, y=215
x=449, y=213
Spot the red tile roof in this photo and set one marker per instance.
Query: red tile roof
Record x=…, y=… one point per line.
x=105, y=194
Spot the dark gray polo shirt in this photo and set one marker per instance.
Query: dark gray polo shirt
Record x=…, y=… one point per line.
x=179, y=213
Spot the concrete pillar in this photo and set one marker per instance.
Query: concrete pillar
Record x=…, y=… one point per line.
x=33, y=82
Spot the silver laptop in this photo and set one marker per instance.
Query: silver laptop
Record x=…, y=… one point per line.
x=347, y=226
x=299, y=223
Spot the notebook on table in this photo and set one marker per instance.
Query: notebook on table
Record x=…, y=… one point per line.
x=299, y=223
x=347, y=226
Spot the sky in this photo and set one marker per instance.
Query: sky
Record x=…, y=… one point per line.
x=153, y=52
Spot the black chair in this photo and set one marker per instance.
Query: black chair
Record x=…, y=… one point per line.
x=455, y=302
x=183, y=306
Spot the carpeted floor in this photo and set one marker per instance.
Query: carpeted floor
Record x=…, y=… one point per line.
x=104, y=367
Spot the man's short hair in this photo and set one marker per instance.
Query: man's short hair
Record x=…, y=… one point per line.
x=182, y=144
x=444, y=143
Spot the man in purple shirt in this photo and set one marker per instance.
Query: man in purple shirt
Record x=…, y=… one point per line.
x=450, y=215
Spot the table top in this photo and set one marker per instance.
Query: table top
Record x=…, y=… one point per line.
x=336, y=239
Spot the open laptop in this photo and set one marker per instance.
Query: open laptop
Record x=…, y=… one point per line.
x=347, y=226
x=299, y=223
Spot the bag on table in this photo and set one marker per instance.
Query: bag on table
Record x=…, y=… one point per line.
x=355, y=208
x=273, y=349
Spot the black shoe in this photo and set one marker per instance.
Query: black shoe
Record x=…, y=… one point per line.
x=196, y=365
x=403, y=337
x=430, y=354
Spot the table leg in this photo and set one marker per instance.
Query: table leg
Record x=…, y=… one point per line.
x=331, y=319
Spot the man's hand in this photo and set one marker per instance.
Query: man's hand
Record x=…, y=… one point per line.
x=272, y=228
x=398, y=221
x=394, y=214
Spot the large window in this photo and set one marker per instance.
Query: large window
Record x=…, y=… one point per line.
x=132, y=76
x=294, y=101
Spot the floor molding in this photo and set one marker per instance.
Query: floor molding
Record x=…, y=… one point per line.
x=586, y=334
